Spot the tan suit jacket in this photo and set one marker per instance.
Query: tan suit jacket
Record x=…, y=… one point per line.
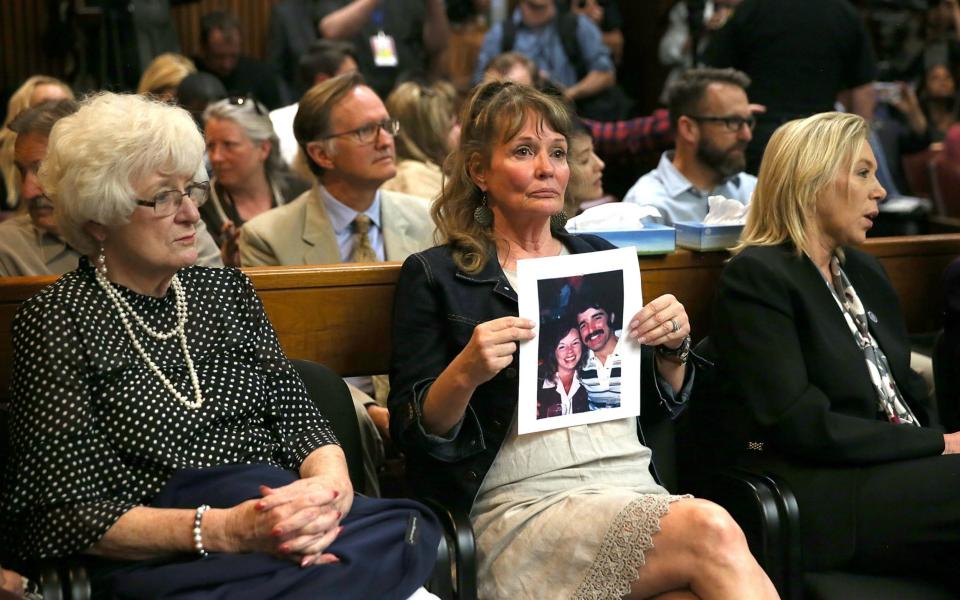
x=300, y=233
x=27, y=250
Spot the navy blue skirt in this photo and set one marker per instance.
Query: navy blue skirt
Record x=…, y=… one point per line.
x=387, y=549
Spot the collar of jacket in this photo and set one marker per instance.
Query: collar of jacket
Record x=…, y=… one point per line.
x=492, y=273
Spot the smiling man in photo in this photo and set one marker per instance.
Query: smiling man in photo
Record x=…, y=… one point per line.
x=600, y=374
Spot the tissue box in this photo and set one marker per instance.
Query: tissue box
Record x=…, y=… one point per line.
x=697, y=236
x=652, y=239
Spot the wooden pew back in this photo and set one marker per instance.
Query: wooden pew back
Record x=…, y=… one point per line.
x=340, y=315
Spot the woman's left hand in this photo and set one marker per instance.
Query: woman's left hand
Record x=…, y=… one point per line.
x=662, y=321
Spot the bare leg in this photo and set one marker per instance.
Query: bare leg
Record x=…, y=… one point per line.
x=701, y=550
x=678, y=595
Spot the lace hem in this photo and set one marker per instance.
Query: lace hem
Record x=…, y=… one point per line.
x=622, y=551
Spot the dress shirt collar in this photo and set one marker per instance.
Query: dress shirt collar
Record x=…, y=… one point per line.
x=342, y=216
x=675, y=183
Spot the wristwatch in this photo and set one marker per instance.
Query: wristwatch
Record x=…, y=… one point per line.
x=680, y=354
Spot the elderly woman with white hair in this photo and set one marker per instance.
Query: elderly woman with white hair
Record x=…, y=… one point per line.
x=249, y=175
x=155, y=422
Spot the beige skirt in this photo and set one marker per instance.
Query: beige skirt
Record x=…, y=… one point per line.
x=568, y=513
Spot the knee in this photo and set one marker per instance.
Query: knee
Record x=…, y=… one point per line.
x=714, y=533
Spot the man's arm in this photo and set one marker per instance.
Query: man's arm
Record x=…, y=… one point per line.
x=436, y=28
x=344, y=23
x=593, y=83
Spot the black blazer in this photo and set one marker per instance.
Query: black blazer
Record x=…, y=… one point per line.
x=795, y=395
x=436, y=308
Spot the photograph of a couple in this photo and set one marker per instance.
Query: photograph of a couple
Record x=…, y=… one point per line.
x=579, y=359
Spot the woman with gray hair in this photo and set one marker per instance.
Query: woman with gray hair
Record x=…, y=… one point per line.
x=154, y=415
x=249, y=175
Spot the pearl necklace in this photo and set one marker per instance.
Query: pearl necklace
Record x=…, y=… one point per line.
x=123, y=307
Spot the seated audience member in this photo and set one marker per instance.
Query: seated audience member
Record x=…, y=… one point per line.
x=324, y=59
x=815, y=380
x=164, y=74
x=395, y=41
x=560, y=391
x=34, y=91
x=291, y=32
x=512, y=66
x=428, y=130
x=347, y=138
x=938, y=97
x=31, y=243
x=605, y=14
x=249, y=177
x=568, y=50
x=586, y=490
x=177, y=413
x=712, y=121
x=240, y=75
x=586, y=172
x=197, y=91
x=900, y=126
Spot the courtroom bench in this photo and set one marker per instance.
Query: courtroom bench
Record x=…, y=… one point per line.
x=340, y=315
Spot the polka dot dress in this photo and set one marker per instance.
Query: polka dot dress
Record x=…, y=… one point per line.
x=95, y=433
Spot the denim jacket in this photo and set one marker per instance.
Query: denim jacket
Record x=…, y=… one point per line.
x=436, y=309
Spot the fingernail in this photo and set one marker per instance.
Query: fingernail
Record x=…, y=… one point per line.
x=642, y=340
x=305, y=562
x=335, y=493
x=277, y=532
x=339, y=514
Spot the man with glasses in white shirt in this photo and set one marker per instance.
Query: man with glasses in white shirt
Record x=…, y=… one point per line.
x=713, y=123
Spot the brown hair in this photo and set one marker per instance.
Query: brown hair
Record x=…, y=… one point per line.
x=313, y=115
x=425, y=115
x=493, y=114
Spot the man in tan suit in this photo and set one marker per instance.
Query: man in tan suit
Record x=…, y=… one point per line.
x=347, y=138
x=30, y=243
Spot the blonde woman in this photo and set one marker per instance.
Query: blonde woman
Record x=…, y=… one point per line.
x=34, y=91
x=428, y=128
x=815, y=377
x=164, y=74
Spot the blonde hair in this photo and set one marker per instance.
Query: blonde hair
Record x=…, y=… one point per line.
x=19, y=102
x=493, y=115
x=165, y=72
x=802, y=158
x=426, y=116
x=96, y=156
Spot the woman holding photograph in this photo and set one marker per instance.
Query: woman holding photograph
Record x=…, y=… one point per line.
x=561, y=393
x=453, y=403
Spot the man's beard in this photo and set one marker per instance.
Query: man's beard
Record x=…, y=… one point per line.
x=726, y=163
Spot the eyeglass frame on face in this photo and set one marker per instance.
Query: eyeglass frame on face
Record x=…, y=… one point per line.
x=374, y=128
x=174, y=198
x=733, y=123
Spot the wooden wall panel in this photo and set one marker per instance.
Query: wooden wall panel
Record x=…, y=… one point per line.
x=23, y=25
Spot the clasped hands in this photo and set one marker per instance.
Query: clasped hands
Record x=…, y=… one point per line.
x=298, y=521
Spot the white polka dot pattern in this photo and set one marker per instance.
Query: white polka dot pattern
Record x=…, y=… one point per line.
x=94, y=433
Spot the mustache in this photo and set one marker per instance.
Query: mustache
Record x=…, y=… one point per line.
x=39, y=202
x=593, y=334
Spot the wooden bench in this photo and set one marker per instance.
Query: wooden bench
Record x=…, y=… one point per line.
x=339, y=315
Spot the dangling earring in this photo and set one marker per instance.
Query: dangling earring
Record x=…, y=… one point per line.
x=482, y=214
x=558, y=220
x=102, y=262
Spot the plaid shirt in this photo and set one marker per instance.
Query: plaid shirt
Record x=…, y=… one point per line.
x=632, y=136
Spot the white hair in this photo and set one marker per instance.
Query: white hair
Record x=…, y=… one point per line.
x=96, y=156
x=255, y=125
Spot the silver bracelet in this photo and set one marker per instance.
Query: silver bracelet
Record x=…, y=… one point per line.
x=197, y=536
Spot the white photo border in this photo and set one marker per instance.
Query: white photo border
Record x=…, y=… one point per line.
x=529, y=274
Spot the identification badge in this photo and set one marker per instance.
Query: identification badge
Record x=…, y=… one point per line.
x=384, y=50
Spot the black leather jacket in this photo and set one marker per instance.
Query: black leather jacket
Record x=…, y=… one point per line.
x=436, y=309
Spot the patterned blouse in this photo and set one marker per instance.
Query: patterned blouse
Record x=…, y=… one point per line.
x=95, y=433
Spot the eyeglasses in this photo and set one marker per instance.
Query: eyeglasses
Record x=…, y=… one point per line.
x=244, y=101
x=168, y=202
x=733, y=124
x=369, y=132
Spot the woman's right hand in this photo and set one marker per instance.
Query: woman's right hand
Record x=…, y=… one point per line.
x=230, y=247
x=951, y=443
x=491, y=347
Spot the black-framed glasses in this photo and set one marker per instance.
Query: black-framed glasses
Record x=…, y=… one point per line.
x=369, y=132
x=732, y=123
x=168, y=202
x=245, y=101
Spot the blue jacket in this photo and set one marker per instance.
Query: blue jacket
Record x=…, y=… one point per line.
x=436, y=309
